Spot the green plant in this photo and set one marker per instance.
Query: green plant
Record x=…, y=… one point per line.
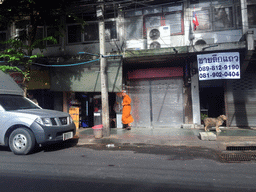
x=203, y=116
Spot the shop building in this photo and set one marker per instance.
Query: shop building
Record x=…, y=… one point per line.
x=157, y=44
x=196, y=28
x=82, y=89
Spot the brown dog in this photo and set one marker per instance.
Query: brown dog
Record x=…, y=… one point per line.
x=214, y=122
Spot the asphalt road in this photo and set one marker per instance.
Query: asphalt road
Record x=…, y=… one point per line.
x=123, y=168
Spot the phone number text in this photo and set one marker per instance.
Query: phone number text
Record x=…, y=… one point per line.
x=219, y=68
x=218, y=74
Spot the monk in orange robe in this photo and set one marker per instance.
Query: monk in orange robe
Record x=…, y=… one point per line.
x=127, y=118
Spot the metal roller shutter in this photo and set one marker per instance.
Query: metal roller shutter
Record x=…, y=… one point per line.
x=139, y=93
x=157, y=102
x=241, y=101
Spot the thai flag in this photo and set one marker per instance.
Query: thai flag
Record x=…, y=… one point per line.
x=195, y=21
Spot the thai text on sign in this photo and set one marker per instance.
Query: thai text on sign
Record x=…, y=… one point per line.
x=219, y=66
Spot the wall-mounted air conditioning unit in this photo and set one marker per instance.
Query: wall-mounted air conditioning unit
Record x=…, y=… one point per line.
x=137, y=44
x=159, y=37
x=203, y=41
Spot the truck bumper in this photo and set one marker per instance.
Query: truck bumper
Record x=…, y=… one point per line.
x=51, y=134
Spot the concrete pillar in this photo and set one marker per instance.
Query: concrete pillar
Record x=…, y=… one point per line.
x=188, y=35
x=12, y=31
x=120, y=28
x=103, y=75
x=195, y=97
x=245, y=24
x=249, y=51
x=248, y=34
x=250, y=40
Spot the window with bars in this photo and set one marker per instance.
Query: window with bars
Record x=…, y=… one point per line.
x=74, y=33
x=91, y=32
x=133, y=28
x=171, y=16
x=153, y=17
x=251, y=15
x=215, y=15
x=175, y=21
x=223, y=17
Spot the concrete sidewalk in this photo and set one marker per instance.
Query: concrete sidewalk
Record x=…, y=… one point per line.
x=171, y=137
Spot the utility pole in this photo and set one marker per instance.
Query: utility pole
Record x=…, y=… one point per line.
x=245, y=24
x=103, y=71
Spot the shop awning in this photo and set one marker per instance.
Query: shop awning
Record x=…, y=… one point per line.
x=85, y=78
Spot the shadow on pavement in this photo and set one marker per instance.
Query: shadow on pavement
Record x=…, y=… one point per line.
x=57, y=146
x=48, y=148
x=5, y=148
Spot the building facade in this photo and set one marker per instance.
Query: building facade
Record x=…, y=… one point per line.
x=154, y=49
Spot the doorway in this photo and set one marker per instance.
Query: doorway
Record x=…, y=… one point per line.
x=212, y=101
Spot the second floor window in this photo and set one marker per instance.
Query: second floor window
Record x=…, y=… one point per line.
x=175, y=21
x=223, y=18
x=251, y=15
x=110, y=30
x=170, y=16
x=90, y=32
x=215, y=15
x=74, y=34
x=138, y=22
x=133, y=28
x=203, y=18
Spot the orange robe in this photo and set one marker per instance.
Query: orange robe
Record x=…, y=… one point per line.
x=126, y=116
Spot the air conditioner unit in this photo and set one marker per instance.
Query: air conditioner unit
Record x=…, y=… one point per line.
x=203, y=41
x=136, y=44
x=159, y=37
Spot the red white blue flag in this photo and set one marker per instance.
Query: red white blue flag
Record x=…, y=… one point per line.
x=195, y=21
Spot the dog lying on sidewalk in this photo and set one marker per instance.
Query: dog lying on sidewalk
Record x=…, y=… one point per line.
x=214, y=122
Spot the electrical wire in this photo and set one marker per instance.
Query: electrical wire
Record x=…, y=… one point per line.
x=67, y=65
x=80, y=53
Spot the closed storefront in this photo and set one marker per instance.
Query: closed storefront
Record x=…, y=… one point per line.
x=157, y=100
x=241, y=101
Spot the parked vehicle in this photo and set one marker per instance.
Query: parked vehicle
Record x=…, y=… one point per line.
x=23, y=124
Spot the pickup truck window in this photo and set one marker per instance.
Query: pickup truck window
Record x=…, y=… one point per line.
x=16, y=102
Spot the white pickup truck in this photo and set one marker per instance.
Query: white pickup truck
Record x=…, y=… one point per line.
x=23, y=124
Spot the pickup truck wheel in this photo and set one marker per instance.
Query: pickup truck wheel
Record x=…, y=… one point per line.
x=21, y=141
